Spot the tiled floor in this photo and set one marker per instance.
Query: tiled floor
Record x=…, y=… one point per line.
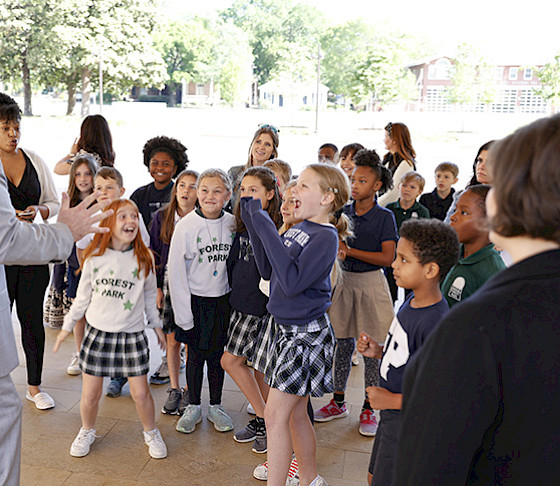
x=205, y=457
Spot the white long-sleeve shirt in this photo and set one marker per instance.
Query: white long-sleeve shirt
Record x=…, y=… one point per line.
x=197, y=262
x=115, y=295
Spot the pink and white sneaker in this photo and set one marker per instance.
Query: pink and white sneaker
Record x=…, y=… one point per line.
x=368, y=423
x=330, y=412
x=261, y=473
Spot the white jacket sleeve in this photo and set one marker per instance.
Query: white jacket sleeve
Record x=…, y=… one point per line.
x=82, y=300
x=178, y=279
x=393, y=194
x=150, y=294
x=49, y=196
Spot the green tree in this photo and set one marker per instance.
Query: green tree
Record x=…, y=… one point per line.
x=283, y=35
x=382, y=75
x=185, y=47
x=29, y=42
x=116, y=35
x=472, y=76
x=345, y=47
x=549, y=76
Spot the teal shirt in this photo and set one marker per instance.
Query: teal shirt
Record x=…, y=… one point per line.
x=469, y=274
x=414, y=212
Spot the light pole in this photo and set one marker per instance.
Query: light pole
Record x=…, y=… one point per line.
x=100, y=78
x=318, y=86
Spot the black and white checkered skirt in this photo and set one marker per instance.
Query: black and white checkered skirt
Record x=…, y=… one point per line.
x=166, y=312
x=114, y=353
x=301, y=359
x=242, y=334
x=263, y=342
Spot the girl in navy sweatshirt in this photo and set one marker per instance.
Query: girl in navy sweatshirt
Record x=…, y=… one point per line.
x=300, y=357
x=248, y=305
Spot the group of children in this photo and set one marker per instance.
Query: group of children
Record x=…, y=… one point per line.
x=288, y=281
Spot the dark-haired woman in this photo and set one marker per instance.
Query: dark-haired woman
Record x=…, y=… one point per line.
x=480, y=176
x=31, y=191
x=95, y=140
x=399, y=158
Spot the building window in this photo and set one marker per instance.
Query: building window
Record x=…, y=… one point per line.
x=199, y=89
x=439, y=70
x=513, y=73
x=528, y=74
x=499, y=73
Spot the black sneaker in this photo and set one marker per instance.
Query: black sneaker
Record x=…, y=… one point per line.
x=259, y=446
x=161, y=375
x=174, y=397
x=114, y=388
x=249, y=433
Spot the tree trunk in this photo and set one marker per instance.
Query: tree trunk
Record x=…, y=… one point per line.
x=71, y=97
x=172, y=95
x=26, y=79
x=86, y=90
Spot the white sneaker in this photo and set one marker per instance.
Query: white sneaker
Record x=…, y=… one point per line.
x=318, y=481
x=42, y=400
x=74, y=366
x=261, y=473
x=82, y=442
x=155, y=443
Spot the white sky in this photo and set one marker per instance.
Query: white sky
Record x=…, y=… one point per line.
x=515, y=31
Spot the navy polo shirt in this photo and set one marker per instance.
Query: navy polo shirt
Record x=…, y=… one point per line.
x=370, y=230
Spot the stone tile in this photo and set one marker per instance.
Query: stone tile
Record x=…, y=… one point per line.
x=43, y=476
x=81, y=479
x=354, y=466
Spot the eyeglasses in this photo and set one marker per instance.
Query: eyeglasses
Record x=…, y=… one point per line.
x=271, y=127
x=389, y=127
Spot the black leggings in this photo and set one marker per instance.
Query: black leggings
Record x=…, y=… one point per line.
x=26, y=287
x=195, y=367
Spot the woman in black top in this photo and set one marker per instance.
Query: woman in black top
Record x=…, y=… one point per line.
x=31, y=191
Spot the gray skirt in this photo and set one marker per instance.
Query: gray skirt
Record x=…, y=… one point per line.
x=114, y=353
x=362, y=303
x=242, y=334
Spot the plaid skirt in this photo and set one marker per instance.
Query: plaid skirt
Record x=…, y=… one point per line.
x=263, y=342
x=301, y=359
x=242, y=334
x=166, y=312
x=114, y=353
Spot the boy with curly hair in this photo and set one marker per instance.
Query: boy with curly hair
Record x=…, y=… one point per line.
x=426, y=250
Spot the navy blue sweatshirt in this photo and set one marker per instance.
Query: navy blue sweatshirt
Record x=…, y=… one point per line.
x=301, y=261
x=244, y=278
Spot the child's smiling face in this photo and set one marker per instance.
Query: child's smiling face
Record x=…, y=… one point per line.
x=310, y=201
x=126, y=227
x=83, y=179
x=162, y=168
x=287, y=208
x=212, y=196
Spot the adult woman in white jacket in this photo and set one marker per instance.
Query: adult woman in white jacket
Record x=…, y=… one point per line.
x=32, y=191
x=399, y=158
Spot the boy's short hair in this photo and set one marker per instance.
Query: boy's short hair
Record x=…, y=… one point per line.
x=331, y=146
x=432, y=241
x=481, y=191
x=412, y=175
x=448, y=167
x=525, y=167
x=110, y=173
x=351, y=148
x=277, y=165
